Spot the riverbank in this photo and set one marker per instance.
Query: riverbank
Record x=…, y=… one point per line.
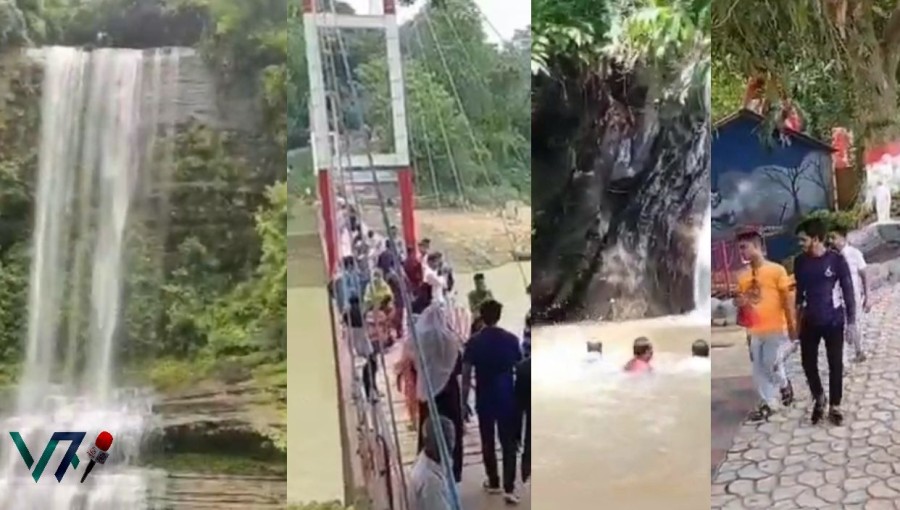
x=472, y=240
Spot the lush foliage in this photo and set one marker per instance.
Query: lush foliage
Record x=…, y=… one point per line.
x=845, y=220
x=837, y=60
x=207, y=293
x=466, y=101
x=670, y=37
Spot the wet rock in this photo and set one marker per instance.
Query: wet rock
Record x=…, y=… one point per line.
x=620, y=187
x=229, y=419
x=205, y=492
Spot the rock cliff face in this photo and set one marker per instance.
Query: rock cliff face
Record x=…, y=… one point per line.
x=198, y=96
x=621, y=184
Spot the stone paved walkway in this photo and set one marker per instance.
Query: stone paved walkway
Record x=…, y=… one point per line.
x=788, y=463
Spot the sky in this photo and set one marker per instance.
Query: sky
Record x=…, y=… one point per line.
x=506, y=16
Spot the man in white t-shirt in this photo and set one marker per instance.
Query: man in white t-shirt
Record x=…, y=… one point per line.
x=857, y=263
x=431, y=274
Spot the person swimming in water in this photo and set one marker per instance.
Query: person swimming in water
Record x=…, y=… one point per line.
x=700, y=349
x=643, y=353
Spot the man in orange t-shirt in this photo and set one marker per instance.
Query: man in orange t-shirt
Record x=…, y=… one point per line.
x=764, y=293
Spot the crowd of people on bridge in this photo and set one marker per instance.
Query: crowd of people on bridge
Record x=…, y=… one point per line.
x=449, y=350
x=821, y=304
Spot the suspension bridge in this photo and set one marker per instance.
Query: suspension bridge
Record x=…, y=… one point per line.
x=342, y=442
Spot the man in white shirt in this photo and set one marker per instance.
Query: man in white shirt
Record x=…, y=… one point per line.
x=432, y=276
x=428, y=486
x=857, y=263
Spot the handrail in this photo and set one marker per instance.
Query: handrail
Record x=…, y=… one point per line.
x=388, y=483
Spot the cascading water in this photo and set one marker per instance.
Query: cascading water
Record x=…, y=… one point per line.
x=703, y=271
x=100, y=114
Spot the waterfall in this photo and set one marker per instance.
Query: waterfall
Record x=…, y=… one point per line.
x=100, y=115
x=703, y=271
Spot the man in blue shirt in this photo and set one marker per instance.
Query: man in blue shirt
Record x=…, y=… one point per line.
x=823, y=278
x=494, y=353
x=348, y=283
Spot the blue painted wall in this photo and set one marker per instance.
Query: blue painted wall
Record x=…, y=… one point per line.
x=766, y=185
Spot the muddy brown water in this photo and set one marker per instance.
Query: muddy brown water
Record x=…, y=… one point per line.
x=635, y=442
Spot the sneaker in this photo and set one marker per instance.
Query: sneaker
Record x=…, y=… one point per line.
x=835, y=416
x=818, y=411
x=510, y=498
x=860, y=357
x=491, y=489
x=787, y=395
x=761, y=413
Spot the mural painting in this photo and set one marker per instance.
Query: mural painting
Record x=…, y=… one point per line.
x=764, y=184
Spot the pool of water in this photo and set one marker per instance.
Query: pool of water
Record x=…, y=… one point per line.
x=635, y=442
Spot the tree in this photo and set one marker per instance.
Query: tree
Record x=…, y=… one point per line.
x=437, y=132
x=727, y=90
x=468, y=125
x=837, y=52
x=297, y=82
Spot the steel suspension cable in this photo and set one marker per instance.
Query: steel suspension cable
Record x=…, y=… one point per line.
x=429, y=155
x=471, y=132
x=443, y=445
x=460, y=187
x=471, y=63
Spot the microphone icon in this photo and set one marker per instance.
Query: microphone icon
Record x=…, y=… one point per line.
x=97, y=452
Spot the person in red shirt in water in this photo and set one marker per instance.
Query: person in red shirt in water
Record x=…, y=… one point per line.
x=643, y=353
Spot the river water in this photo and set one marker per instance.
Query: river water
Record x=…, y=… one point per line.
x=635, y=442
x=640, y=443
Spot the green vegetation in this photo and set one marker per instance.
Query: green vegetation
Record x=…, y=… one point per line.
x=846, y=220
x=469, y=122
x=838, y=61
x=205, y=295
x=214, y=464
x=669, y=37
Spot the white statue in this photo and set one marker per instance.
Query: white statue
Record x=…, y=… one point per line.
x=882, y=202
